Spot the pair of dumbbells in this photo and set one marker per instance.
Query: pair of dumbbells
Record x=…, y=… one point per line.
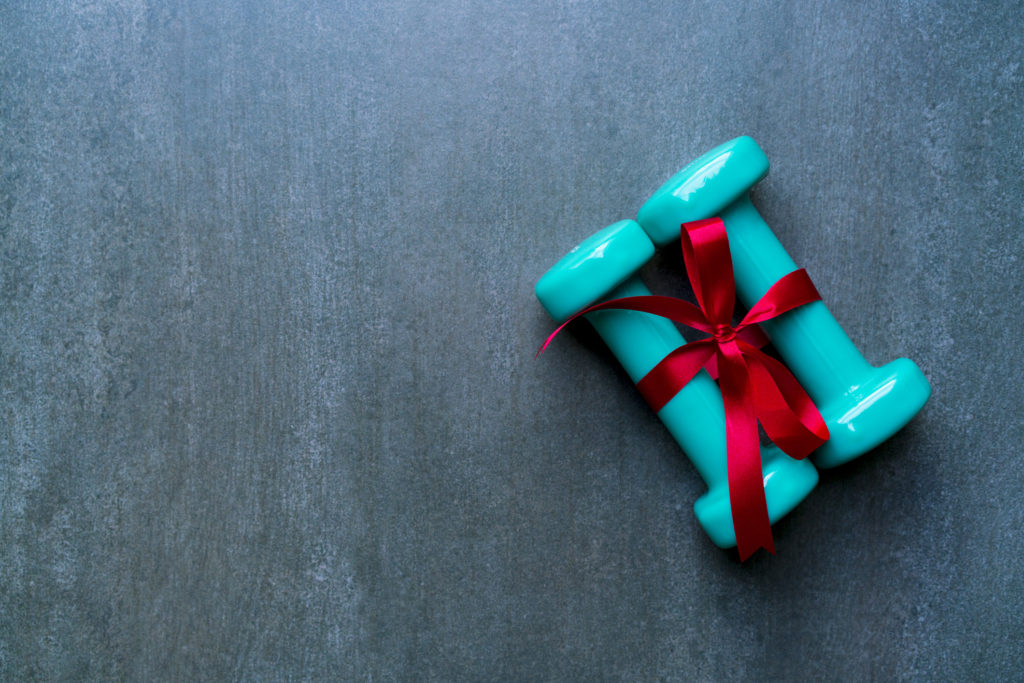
x=862, y=405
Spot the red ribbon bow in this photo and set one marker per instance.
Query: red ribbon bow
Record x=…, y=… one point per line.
x=755, y=387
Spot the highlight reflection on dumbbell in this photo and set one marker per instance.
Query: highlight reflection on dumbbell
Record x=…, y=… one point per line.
x=605, y=266
x=862, y=405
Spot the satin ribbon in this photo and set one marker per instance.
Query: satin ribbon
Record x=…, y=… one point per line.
x=755, y=387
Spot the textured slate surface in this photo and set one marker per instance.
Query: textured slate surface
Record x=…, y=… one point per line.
x=269, y=408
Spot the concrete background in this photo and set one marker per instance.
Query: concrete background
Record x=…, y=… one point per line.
x=269, y=407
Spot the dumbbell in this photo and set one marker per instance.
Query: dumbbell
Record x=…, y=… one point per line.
x=605, y=266
x=862, y=405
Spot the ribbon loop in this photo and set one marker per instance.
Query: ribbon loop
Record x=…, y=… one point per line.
x=755, y=387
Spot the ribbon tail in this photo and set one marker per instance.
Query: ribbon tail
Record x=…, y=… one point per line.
x=676, y=310
x=746, y=486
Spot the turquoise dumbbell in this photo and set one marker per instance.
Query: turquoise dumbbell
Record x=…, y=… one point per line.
x=605, y=267
x=862, y=405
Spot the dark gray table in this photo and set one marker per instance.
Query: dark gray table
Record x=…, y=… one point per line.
x=269, y=408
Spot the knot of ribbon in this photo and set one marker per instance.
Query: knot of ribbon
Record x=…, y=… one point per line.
x=755, y=387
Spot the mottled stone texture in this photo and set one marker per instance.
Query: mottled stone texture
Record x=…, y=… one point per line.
x=269, y=408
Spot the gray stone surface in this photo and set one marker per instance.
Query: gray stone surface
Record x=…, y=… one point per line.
x=269, y=408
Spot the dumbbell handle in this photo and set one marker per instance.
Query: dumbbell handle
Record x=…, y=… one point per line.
x=813, y=344
x=695, y=416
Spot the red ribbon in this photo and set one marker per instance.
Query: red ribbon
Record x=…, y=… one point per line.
x=755, y=387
